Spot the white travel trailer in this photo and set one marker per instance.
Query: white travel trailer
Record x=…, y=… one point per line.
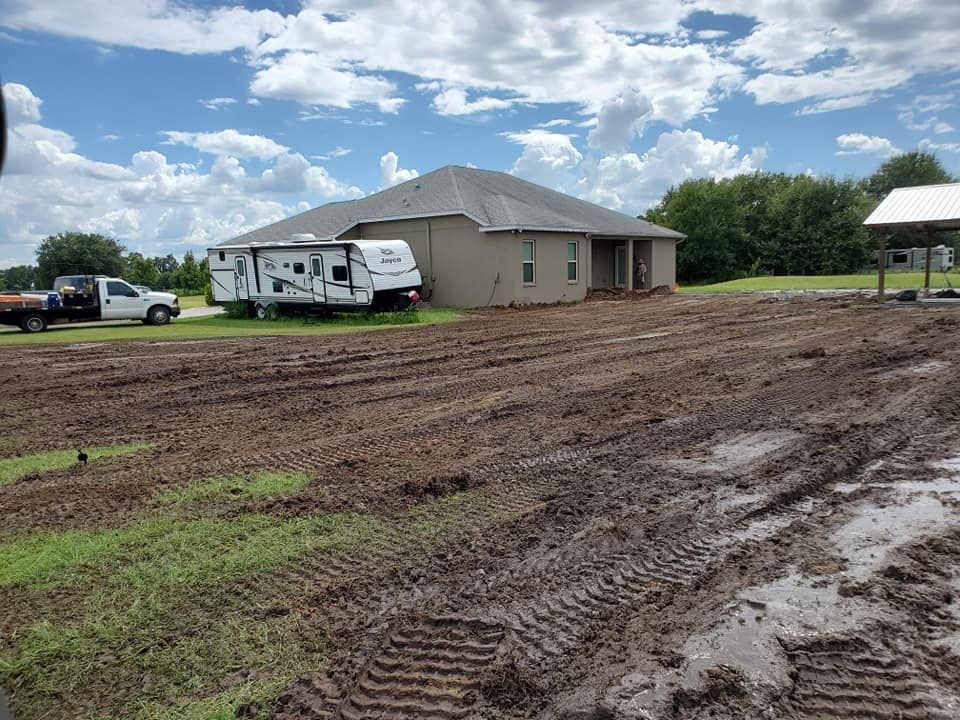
x=307, y=275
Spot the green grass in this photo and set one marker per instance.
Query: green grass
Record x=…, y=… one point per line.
x=237, y=487
x=222, y=706
x=151, y=605
x=163, y=555
x=192, y=301
x=15, y=468
x=894, y=281
x=219, y=327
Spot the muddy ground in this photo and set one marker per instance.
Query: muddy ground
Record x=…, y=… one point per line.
x=685, y=507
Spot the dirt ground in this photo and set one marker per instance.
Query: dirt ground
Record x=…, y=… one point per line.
x=680, y=507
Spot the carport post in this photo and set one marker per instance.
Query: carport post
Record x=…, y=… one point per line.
x=926, y=275
x=881, y=263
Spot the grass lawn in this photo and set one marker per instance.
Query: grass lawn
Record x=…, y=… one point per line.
x=192, y=301
x=894, y=281
x=15, y=468
x=218, y=326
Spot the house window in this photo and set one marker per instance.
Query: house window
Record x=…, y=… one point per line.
x=901, y=258
x=298, y=269
x=573, y=271
x=529, y=262
x=340, y=273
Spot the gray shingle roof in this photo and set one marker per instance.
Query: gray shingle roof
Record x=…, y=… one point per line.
x=495, y=200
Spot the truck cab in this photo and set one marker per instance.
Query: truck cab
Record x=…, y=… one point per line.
x=77, y=298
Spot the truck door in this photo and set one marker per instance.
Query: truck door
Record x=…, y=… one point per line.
x=243, y=291
x=121, y=301
x=316, y=278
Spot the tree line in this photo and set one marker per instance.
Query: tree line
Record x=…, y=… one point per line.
x=778, y=224
x=89, y=253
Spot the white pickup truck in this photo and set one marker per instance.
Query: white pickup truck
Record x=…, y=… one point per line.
x=85, y=298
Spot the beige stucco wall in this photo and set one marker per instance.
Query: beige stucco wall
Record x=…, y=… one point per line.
x=550, y=276
x=662, y=269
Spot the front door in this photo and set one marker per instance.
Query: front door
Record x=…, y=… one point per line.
x=122, y=301
x=243, y=290
x=620, y=266
x=316, y=278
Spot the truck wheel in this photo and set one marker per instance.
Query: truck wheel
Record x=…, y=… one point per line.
x=33, y=323
x=158, y=315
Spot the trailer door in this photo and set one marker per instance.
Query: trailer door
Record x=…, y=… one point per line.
x=243, y=291
x=316, y=277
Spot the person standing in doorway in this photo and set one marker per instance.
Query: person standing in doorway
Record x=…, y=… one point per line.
x=641, y=274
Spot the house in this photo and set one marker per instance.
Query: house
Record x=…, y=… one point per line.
x=489, y=238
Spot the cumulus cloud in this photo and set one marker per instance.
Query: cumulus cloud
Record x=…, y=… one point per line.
x=547, y=158
x=928, y=145
x=149, y=202
x=311, y=79
x=619, y=121
x=21, y=104
x=860, y=144
x=917, y=115
x=227, y=142
x=632, y=182
x=390, y=172
x=453, y=101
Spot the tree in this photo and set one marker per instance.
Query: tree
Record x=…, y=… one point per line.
x=189, y=276
x=906, y=170
x=142, y=270
x=74, y=253
x=19, y=277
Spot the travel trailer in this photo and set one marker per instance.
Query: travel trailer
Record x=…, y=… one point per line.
x=307, y=275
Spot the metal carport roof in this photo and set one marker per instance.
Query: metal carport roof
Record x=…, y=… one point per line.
x=933, y=207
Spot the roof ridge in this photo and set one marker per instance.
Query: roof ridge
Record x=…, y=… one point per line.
x=456, y=186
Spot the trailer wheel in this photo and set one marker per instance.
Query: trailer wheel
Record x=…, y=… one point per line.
x=158, y=315
x=266, y=312
x=33, y=323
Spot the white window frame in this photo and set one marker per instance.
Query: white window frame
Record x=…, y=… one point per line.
x=532, y=263
x=575, y=261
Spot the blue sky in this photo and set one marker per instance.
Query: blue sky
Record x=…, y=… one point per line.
x=174, y=126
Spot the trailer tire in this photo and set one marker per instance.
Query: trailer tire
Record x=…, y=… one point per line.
x=266, y=311
x=33, y=323
x=158, y=315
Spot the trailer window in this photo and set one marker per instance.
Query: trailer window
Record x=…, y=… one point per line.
x=299, y=269
x=317, y=268
x=241, y=267
x=340, y=273
x=277, y=286
x=529, y=262
x=222, y=255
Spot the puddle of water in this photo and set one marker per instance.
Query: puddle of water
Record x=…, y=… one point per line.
x=915, y=509
x=739, y=452
x=794, y=606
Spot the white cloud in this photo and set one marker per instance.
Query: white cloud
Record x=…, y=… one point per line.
x=335, y=153
x=619, y=121
x=253, y=101
x=632, y=182
x=390, y=172
x=311, y=79
x=227, y=142
x=711, y=34
x=218, y=102
x=150, y=203
x=22, y=106
x=860, y=144
x=912, y=115
x=453, y=101
x=109, y=137
x=547, y=158
x=841, y=103
x=927, y=145
x=154, y=25
x=558, y=122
